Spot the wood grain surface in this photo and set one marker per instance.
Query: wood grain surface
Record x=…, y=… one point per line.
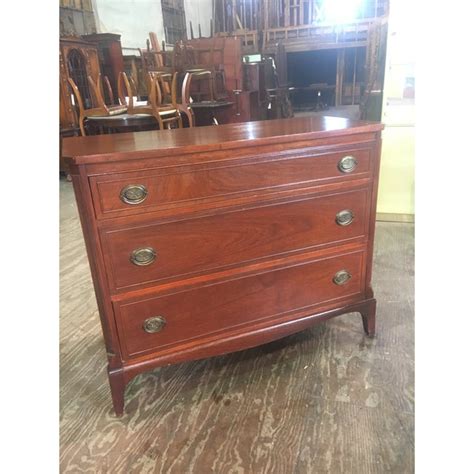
x=189, y=246
x=326, y=400
x=130, y=146
x=182, y=187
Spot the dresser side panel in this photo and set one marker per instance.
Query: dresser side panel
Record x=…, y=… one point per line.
x=94, y=253
x=372, y=214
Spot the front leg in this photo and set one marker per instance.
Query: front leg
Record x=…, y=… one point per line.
x=368, y=317
x=117, y=387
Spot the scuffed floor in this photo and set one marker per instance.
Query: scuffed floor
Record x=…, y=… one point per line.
x=326, y=400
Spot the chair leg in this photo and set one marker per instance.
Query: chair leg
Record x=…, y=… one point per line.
x=190, y=115
x=160, y=123
x=81, y=125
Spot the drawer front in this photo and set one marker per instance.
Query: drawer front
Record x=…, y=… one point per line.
x=203, y=244
x=130, y=193
x=157, y=323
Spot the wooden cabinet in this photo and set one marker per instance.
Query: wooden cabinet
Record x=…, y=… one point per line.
x=209, y=240
x=77, y=59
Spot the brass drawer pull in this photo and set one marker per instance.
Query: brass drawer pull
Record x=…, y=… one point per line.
x=344, y=217
x=342, y=277
x=347, y=164
x=143, y=256
x=155, y=324
x=133, y=194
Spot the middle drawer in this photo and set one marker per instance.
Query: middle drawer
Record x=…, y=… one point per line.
x=146, y=254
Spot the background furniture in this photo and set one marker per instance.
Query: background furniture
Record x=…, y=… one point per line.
x=99, y=108
x=199, y=103
x=217, y=239
x=120, y=124
x=225, y=54
x=127, y=92
x=133, y=67
x=163, y=100
x=210, y=113
x=111, y=62
x=78, y=59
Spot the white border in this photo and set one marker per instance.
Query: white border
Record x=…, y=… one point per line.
x=29, y=236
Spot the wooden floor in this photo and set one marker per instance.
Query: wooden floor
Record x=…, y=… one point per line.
x=327, y=400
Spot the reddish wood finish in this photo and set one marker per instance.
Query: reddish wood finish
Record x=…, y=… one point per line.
x=190, y=246
x=264, y=173
x=89, y=52
x=128, y=146
x=208, y=310
x=111, y=57
x=242, y=218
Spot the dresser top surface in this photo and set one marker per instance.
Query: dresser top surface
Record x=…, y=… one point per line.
x=122, y=146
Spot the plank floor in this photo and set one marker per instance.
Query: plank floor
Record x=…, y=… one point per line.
x=326, y=400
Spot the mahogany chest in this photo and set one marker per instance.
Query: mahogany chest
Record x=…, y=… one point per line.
x=208, y=240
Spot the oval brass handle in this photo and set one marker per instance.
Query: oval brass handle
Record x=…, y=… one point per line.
x=133, y=194
x=155, y=324
x=344, y=217
x=347, y=164
x=341, y=277
x=143, y=256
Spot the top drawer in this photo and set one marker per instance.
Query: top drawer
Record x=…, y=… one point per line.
x=145, y=191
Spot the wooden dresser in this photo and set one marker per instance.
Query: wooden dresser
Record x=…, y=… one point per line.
x=210, y=240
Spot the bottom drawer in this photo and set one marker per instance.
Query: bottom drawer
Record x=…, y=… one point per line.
x=163, y=321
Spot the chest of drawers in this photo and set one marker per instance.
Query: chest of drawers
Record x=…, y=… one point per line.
x=209, y=240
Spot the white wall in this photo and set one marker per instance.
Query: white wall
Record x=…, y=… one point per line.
x=397, y=172
x=198, y=11
x=134, y=19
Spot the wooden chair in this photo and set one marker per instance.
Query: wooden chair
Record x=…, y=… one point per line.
x=201, y=77
x=208, y=59
x=183, y=56
x=277, y=95
x=122, y=90
x=110, y=94
x=128, y=93
x=164, y=113
x=165, y=79
x=98, y=96
x=100, y=109
x=184, y=105
x=201, y=106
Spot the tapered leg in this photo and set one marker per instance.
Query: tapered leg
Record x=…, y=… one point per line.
x=368, y=317
x=117, y=387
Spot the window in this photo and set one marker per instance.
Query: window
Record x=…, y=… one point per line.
x=174, y=20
